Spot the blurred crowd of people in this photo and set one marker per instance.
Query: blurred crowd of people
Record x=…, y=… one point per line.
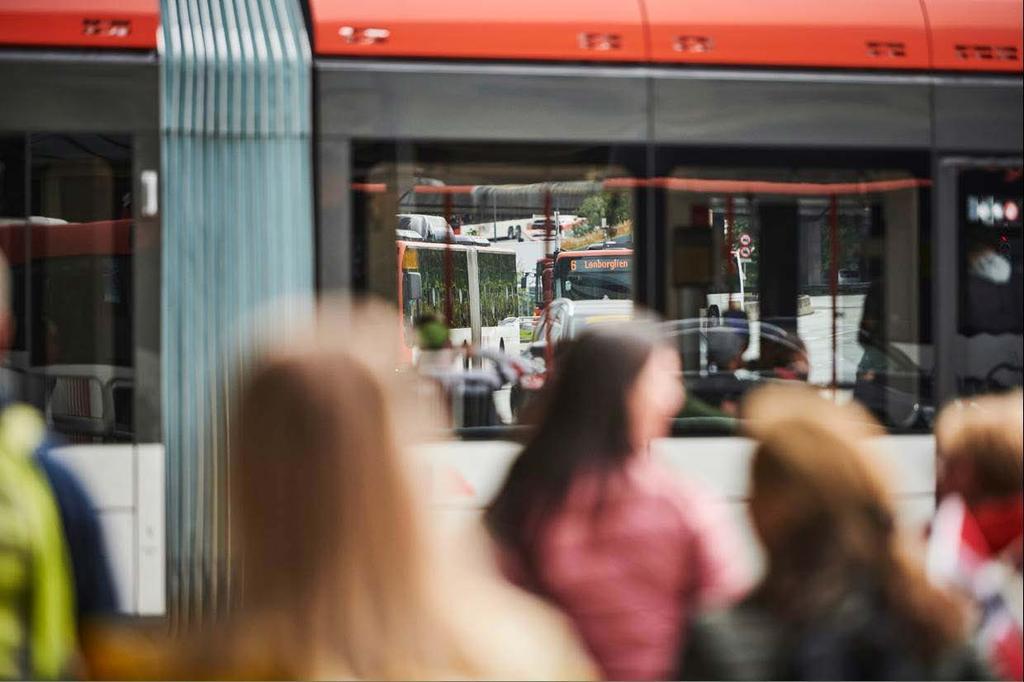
x=593, y=561
x=56, y=586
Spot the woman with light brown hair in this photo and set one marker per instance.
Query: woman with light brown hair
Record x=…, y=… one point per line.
x=339, y=574
x=842, y=597
x=976, y=544
x=980, y=448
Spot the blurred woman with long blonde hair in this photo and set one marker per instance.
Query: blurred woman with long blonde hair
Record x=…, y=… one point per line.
x=842, y=596
x=339, y=574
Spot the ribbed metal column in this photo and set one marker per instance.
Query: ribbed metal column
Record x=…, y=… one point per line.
x=238, y=232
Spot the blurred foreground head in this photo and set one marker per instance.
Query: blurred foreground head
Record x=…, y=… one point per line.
x=826, y=518
x=980, y=448
x=613, y=389
x=339, y=573
x=342, y=574
x=336, y=570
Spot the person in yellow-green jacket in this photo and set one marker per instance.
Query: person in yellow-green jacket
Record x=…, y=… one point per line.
x=37, y=624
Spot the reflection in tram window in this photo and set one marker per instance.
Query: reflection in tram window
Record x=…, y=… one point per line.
x=991, y=307
x=803, y=276
x=13, y=230
x=588, y=276
x=81, y=346
x=494, y=243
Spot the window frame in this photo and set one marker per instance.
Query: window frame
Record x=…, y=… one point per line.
x=75, y=92
x=867, y=115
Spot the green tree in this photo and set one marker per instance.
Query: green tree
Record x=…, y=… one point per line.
x=615, y=207
x=592, y=209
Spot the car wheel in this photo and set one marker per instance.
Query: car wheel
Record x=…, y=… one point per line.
x=714, y=316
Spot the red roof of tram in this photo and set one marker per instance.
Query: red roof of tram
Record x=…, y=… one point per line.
x=470, y=29
x=946, y=35
x=976, y=35
x=971, y=35
x=127, y=24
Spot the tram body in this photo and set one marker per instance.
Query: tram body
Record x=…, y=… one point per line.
x=647, y=97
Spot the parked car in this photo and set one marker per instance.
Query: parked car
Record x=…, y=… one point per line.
x=434, y=228
x=717, y=376
x=563, y=320
x=849, y=276
x=511, y=232
x=566, y=319
x=408, y=235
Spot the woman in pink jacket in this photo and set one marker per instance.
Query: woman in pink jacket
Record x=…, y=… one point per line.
x=589, y=520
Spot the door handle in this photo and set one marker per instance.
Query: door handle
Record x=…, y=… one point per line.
x=149, y=182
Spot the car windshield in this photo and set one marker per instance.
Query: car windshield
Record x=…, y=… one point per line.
x=594, y=277
x=597, y=286
x=723, y=361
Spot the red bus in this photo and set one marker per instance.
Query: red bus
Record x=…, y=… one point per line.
x=585, y=276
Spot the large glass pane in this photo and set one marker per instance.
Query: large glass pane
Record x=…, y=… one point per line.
x=508, y=252
x=991, y=305
x=81, y=284
x=811, y=275
x=13, y=236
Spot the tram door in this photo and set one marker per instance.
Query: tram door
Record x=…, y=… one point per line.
x=79, y=229
x=980, y=272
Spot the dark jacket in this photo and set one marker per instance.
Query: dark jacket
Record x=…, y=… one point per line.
x=856, y=641
x=93, y=580
x=94, y=584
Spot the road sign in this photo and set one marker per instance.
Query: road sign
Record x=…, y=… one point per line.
x=745, y=239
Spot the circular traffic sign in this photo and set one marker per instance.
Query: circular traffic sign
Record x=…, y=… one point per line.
x=744, y=239
x=1011, y=211
x=745, y=252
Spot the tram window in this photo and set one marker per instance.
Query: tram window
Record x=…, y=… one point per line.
x=989, y=355
x=13, y=232
x=458, y=232
x=799, y=275
x=80, y=328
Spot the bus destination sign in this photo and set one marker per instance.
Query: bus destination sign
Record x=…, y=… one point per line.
x=599, y=264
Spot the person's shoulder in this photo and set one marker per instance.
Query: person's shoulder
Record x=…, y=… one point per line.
x=737, y=643
x=55, y=470
x=745, y=619
x=529, y=639
x=532, y=639
x=659, y=485
x=71, y=495
x=656, y=478
x=961, y=662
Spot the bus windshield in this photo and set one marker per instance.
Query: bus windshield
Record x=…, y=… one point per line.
x=594, y=277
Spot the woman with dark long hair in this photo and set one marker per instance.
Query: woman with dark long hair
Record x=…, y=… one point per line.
x=589, y=520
